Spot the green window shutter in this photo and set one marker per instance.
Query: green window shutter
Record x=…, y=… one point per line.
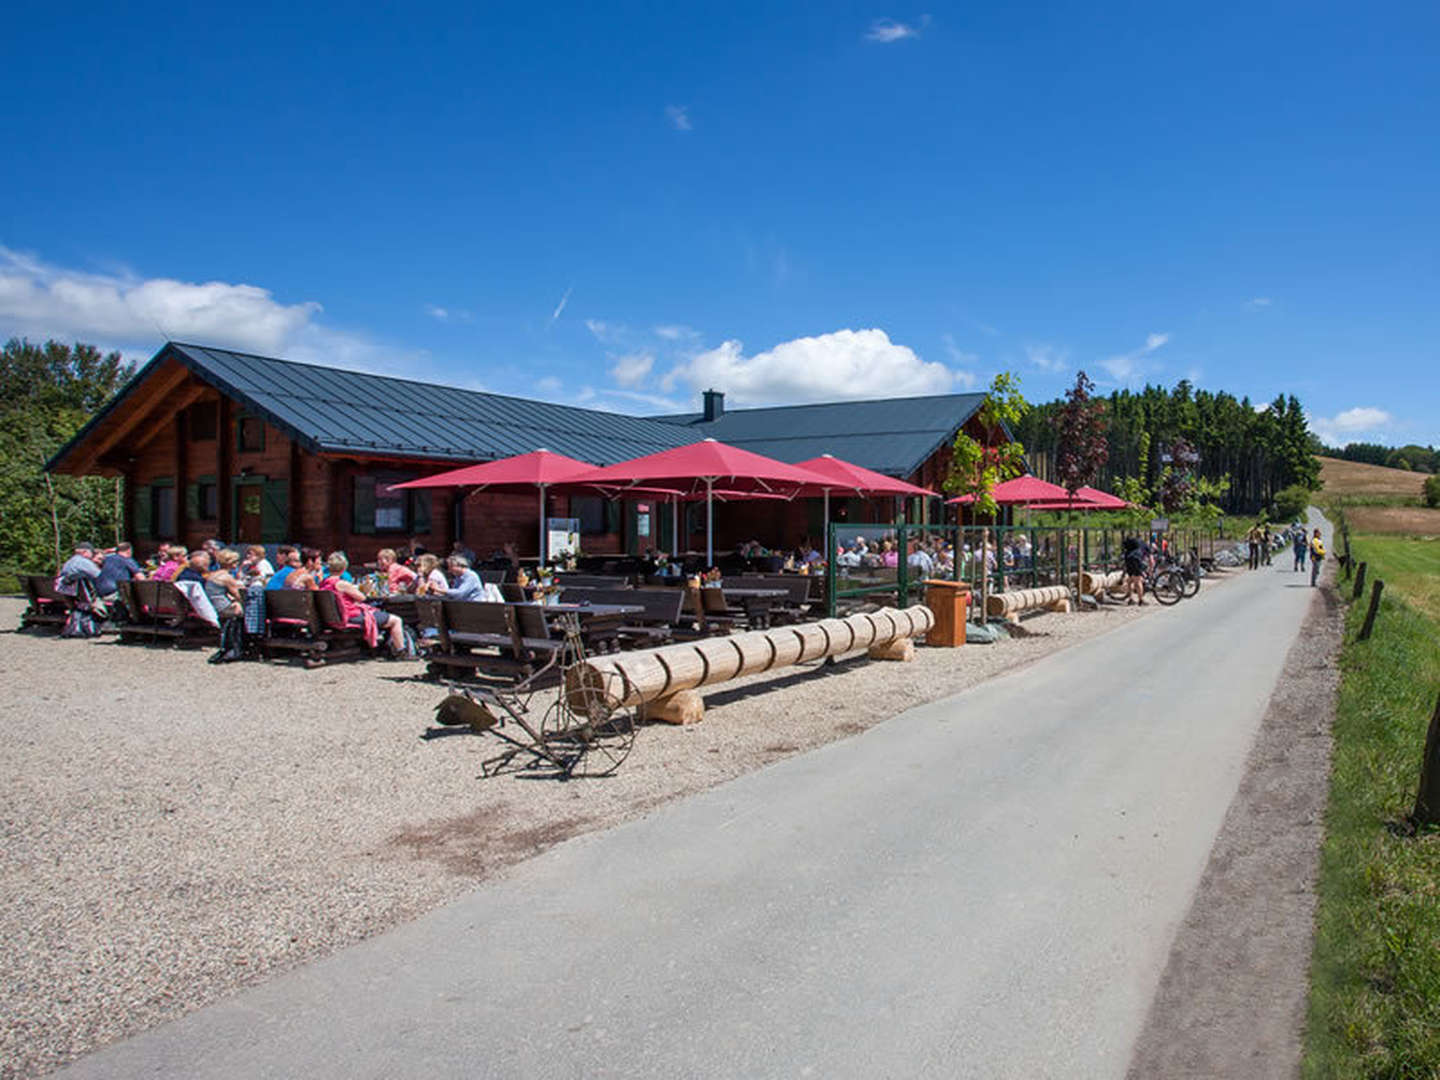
x=274, y=511
x=363, y=506
x=192, y=502
x=613, y=511
x=419, y=511
x=140, y=500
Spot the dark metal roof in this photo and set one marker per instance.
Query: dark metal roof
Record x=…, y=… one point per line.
x=891, y=435
x=328, y=410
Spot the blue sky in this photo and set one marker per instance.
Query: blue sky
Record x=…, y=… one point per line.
x=623, y=204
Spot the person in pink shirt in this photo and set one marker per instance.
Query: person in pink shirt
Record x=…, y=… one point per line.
x=398, y=577
x=172, y=560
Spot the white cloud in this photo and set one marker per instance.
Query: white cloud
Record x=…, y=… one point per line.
x=36, y=298
x=1048, y=357
x=842, y=364
x=605, y=332
x=632, y=368
x=549, y=384
x=675, y=332
x=1127, y=366
x=134, y=314
x=1257, y=302
x=1348, y=425
x=888, y=31
x=679, y=117
x=440, y=314
x=436, y=312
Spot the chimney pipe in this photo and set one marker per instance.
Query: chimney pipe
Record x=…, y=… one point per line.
x=714, y=405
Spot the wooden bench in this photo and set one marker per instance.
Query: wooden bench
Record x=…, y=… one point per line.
x=308, y=623
x=1011, y=605
x=1098, y=583
x=158, y=611
x=48, y=606
x=516, y=638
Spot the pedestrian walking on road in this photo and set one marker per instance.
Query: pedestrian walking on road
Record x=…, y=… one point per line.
x=1253, y=539
x=1317, y=555
x=1266, y=545
x=1299, y=543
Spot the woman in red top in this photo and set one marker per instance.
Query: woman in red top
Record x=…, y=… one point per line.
x=353, y=606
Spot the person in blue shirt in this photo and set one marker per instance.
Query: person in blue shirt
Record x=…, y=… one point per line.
x=288, y=559
x=119, y=565
x=464, y=583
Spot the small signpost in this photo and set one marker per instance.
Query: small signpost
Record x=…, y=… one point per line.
x=1161, y=526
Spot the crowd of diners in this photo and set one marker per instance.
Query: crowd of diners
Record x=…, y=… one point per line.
x=227, y=574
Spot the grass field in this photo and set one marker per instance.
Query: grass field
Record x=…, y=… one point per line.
x=1375, y=499
x=1375, y=979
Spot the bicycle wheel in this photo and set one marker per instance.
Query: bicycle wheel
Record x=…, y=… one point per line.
x=1191, y=582
x=1169, y=587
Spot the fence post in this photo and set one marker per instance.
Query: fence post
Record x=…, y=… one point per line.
x=1427, y=802
x=1369, y=625
x=1359, y=582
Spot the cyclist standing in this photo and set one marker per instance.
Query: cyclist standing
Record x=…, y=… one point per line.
x=1137, y=555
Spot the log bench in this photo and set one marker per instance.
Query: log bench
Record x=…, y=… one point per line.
x=1097, y=583
x=1011, y=605
x=666, y=681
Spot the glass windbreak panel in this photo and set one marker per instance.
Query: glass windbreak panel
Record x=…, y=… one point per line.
x=865, y=555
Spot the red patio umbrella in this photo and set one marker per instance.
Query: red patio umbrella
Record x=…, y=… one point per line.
x=706, y=466
x=849, y=476
x=1021, y=491
x=537, y=469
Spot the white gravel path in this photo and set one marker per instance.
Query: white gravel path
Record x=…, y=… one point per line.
x=174, y=831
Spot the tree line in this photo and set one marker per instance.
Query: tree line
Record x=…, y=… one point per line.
x=1244, y=454
x=1424, y=459
x=47, y=393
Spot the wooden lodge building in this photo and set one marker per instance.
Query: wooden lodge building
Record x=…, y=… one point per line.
x=253, y=449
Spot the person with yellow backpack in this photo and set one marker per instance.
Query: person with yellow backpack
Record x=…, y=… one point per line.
x=1317, y=555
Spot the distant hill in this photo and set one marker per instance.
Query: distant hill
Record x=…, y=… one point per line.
x=1354, y=478
x=1376, y=498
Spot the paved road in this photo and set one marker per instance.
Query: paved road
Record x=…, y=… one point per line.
x=985, y=886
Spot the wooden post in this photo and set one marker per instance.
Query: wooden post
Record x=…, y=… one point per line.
x=1427, y=802
x=119, y=510
x=1359, y=582
x=1375, y=592
x=182, y=479
x=54, y=517
x=224, y=467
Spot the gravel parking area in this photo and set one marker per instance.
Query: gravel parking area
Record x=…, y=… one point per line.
x=175, y=831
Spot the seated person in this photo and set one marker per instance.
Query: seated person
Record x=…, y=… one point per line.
x=310, y=572
x=353, y=606
x=429, y=578
x=464, y=583
x=83, y=565
x=288, y=557
x=119, y=565
x=222, y=586
x=255, y=566
x=212, y=548
x=172, y=558
x=399, y=578
x=197, y=565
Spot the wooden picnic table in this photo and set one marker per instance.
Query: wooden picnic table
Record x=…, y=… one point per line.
x=599, y=623
x=756, y=602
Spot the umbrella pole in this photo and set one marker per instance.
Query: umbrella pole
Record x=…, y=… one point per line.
x=542, y=524
x=825, y=526
x=709, y=522
x=674, y=525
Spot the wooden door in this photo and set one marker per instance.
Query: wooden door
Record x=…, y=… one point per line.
x=249, y=512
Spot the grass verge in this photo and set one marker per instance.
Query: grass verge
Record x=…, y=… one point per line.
x=1375, y=976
